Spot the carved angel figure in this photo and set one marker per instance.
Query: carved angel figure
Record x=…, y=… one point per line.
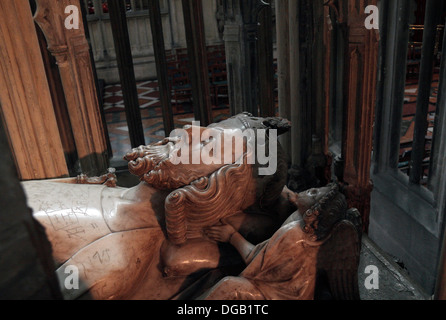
x=321, y=239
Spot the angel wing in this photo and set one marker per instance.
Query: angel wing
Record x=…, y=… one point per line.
x=338, y=258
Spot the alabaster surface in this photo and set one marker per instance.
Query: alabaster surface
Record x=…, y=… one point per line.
x=152, y=241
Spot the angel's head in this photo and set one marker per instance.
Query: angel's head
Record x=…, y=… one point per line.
x=321, y=209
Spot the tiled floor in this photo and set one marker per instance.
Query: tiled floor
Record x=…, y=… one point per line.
x=151, y=115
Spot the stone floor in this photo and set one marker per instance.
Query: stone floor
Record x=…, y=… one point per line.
x=394, y=282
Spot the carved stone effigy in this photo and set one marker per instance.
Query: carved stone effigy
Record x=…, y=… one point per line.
x=155, y=241
x=319, y=242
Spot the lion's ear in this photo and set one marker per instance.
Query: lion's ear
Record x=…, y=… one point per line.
x=280, y=124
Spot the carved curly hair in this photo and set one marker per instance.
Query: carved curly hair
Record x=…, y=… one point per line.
x=230, y=190
x=320, y=219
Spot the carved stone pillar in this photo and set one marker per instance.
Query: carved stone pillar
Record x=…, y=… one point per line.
x=196, y=48
x=71, y=50
x=313, y=71
x=310, y=158
x=27, y=107
x=295, y=101
x=240, y=36
x=265, y=62
x=59, y=104
x=360, y=71
x=283, y=65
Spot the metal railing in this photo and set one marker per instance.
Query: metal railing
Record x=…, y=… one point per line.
x=425, y=179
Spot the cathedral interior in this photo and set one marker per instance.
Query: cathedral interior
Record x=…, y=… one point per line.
x=85, y=82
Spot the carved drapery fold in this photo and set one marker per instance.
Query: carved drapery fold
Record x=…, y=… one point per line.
x=71, y=50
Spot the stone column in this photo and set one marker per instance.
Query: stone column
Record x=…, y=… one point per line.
x=360, y=74
x=283, y=65
x=27, y=106
x=265, y=62
x=240, y=42
x=199, y=68
x=317, y=161
x=297, y=156
x=71, y=50
x=307, y=104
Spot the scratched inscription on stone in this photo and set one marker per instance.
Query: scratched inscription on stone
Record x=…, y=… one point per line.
x=102, y=256
x=63, y=205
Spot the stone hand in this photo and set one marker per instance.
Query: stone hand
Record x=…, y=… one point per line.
x=222, y=233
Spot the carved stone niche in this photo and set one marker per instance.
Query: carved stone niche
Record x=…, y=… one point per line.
x=26, y=105
x=157, y=240
x=71, y=51
x=360, y=47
